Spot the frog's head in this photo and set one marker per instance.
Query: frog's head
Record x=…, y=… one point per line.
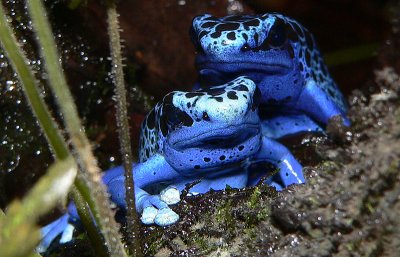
x=271, y=49
x=205, y=130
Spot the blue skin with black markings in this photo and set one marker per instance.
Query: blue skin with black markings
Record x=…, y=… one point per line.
x=281, y=57
x=211, y=135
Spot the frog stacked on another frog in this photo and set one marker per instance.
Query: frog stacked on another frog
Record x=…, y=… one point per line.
x=281, y=57
x=215, y=134
x=210, y=135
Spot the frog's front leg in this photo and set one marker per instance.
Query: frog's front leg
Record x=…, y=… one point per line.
x=289, y=169
x=60, y=226
x=152, y=207
x=318, y=105
x=154, y=210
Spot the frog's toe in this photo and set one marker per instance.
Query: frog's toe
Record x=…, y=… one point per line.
x=166, y=217
x=346, y=121
x=67, y=234
x=291, y=171
x=276, y=185
x=193, y=193
x=52, y=230
x=170, y=195
x=162, y=217
x=156, y=211
x=153, y=201
x=148, y=215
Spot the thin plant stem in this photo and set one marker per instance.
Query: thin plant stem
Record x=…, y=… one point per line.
x=94, y=237
x=133, y=240
x=100, y=206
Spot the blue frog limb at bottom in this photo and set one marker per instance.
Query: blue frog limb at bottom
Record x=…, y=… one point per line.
x=210, y=135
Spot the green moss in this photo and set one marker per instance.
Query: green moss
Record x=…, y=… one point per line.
x=155, y=242
x=229, y=189
x=201, y=241
x=224, y=216
x=251, y=233
x=369, y=208
x=350, y=246
x=329, y=167
x=254, y=200
x=204, y=245
x=354, y=246
x=263, y=214
x=394, y=167
x=316, y=233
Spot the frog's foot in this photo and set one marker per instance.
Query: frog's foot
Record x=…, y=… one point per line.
x=290, y=172
x=289, y=169
x=156, y=211
x=276, y=185
x=161, y=217
x=54, y=229
x=321, y=106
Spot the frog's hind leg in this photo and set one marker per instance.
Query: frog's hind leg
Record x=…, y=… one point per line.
x=54, y=229
x=285, y=125
x=289, y=169
x=64, y=226
x=321, y=106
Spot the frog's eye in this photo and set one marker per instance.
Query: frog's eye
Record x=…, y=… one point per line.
x=195, y=40
x=277, y=35
x=170, y=113
x=175, y=117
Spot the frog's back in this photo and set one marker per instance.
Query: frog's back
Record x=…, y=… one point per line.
x=313, y=65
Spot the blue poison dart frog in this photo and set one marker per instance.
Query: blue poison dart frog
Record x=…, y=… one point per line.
x=281, y=57
x=211, y=135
